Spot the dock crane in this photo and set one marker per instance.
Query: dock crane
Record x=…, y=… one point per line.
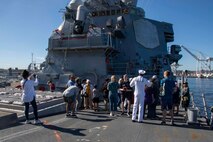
x=204, y=63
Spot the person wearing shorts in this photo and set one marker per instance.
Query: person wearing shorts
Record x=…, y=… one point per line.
x=106, y=93
x=167, y=99
x=126, y=93
x=95, y=98
x=69, y=96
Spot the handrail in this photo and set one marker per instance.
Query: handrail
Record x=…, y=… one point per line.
x=192, y=100
x=205, y=109
x=205, y=106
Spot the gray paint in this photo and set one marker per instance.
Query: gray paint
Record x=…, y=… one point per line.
x=131, y=42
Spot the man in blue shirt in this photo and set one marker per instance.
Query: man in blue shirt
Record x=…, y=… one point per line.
x=167, y=86
x=71, y=81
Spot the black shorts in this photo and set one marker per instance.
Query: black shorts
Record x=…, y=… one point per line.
x=106, y=97
x=185, y=104
x=126, y=95
x=176, y=100
x=166, y=104
x=95, y=100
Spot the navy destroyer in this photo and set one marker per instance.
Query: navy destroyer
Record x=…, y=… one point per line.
x=98, y=38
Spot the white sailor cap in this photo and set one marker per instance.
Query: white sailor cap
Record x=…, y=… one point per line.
x=154, y=77
x=141, y=71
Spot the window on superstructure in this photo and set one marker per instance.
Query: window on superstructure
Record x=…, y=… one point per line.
x=94, y=14
x=118, y=11
x=103, y=13
x=107, y=12
x=113, y=12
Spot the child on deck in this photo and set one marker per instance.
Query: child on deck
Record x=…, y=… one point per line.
x=51, y=86
x=95, y=98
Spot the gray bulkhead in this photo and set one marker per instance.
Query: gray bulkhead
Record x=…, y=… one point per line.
x=98, y=39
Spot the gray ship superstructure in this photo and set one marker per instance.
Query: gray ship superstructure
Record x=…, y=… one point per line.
x=98, y=38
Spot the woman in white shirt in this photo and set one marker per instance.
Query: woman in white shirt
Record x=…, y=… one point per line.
x=29, y=96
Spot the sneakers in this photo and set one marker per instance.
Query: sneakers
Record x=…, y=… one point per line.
x=122, y=113
x=128, y=114
x=111, y=114
x=67, y=115
x=36, y=122
x=74, y=115
x=163, y=122
x=27, y=122
x=115, y=113
x=137, y=121
x=172, y=122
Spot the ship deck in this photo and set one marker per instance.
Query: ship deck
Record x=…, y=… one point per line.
x=93, y=126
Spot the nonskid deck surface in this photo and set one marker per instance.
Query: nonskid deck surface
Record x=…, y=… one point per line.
x=100, y=127
x=12, y=96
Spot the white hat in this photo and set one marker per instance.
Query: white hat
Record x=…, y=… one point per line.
x=154, y=77
x=87, y=81
x=141, y=71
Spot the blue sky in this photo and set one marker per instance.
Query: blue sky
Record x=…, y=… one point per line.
x=26, y=25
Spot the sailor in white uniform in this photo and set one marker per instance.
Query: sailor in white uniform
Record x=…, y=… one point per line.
x=139, y=83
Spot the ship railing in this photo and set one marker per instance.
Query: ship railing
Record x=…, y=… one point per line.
x=204, y=109
x=82, y=41
x=192, y=100
x=35, y=67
